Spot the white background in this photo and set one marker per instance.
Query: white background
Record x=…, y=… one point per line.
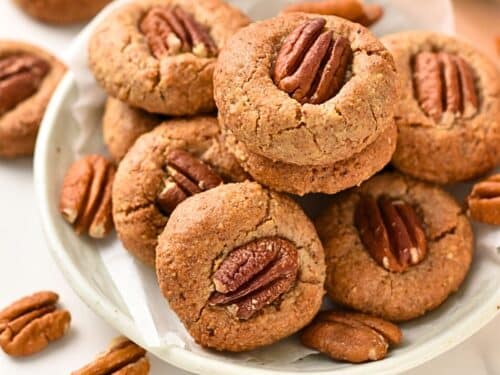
x=25, y=265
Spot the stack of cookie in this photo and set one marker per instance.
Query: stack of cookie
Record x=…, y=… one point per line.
x=306, y=103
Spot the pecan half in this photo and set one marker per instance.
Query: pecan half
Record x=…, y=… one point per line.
x=171, y=31
x=353, y=10
x=20, y=77
x=351, y=337
x=122, y=357
x=391, y=232
x=484, y=201
x=255, y=275
x=311, y=66
x=29, y=324
x=187, y=176
x=444, y=83
x=85, y=199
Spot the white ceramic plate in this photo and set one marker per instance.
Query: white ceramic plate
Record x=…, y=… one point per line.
x=463, y=314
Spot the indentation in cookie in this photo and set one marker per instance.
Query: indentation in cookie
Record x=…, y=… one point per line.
x=311, y=65
x=171, y=31
x=21, y=76
x=391, y=232
x=255, y=275
x=186, y=176
x=444, y=84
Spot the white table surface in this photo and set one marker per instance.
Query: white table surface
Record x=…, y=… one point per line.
x=25, y=264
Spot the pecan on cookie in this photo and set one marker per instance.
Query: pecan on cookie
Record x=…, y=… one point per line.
x=160, y=55
x=258, y=263
x=176, y=160
x=28, y=77
x=62, y=12
x=448, y=115
x=305, y=90
x=29, y=324
x=351, y=337
x=395, y=247
x=484, y=201
x=85, y=198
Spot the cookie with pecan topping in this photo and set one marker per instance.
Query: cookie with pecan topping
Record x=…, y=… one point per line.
x=62, y=12
x=28, y=77
x=305, y=89
x=123, y=124
x=159, y=55
x=177, y=159
x=395, y=247
x=449, y=108
x=258, y=265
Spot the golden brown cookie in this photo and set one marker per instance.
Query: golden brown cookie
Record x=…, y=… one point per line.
x=177, y=159
x=28, y=77
x=159, y=55
x=395, y=247
x=304, y=89
x=122, y=125
x=62, y=11
x=449, y=109
x=329, y=179
x=241, y=266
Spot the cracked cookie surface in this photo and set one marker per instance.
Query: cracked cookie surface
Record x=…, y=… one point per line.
x=123, y=63
x=356, y=280
x=123, y=124
x=141, y=178
x=19, y=121
x=329, y=179
x=273, y=124
x=201, y=233
x=456, y=147
x=62, y=11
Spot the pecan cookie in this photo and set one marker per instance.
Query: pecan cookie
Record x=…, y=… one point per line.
x=449, y=110
x=177, y=159
x=122, y=125
x=304, y=89
x=28, y=77
x=484, y=201
x=395, y=247
x=62, y=11
x=160, y=55
x=330, y=179
x=241, y=266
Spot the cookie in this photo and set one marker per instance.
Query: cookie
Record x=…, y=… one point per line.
x=177, y=159
x=329, y=179
x=137, y=58
x=484, y=201
x=122, y=125
x=62, y=11
x=241, y=266
x=449, y=109
x=395, y=247
x=28, y=77
x=305, y=90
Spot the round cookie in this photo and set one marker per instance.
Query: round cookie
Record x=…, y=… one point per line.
x=28, y=77
x=122, y=125
x=329, y=179
x=62, y=11
x=145, y=188
x=276, y=125
x=137, y=60
x=453, y=133
x=357, y=278
x=208, y=235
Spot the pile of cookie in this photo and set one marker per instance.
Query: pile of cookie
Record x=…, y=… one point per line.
x=306, y=103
